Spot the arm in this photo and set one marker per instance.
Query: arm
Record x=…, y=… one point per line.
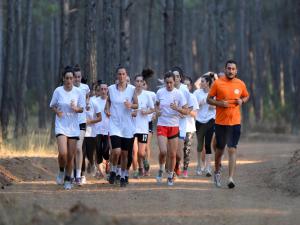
x=98, y=119
x=57, y=111
x=221, y=103
x=107, y=107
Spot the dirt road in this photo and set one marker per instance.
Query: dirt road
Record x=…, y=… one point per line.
x=36, y=199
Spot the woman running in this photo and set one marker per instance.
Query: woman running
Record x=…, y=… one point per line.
x=121, y=100
x=85, y=90
x=205, y=121
x=169, y=102
x=190, y=127
x=67, y=101
x=146, y=107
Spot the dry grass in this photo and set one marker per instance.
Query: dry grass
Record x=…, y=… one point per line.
x=36, y=143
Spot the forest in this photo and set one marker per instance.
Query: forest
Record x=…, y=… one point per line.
x=39, y=37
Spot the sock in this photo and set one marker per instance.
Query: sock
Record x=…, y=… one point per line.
x=61, y=169
x=126, y=173
x=72, y=174
x=170, y=175
x=114, y=169
x=123, y=174
x=161, y=167
x=119, y=171
x=67, y=178
x=78, y=173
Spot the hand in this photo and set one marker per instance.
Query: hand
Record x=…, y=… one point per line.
x=174, y=106
x=59, y=114
x=127, y=104
x=73, y=106
x=144, y=112
x=88, y=122
x=153, y=116
x=239, y=101
x=108, y=114
x=224, y=104
x=158, y=112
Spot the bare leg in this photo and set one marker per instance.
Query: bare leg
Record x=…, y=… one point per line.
x=232, y=161
x=70, y=156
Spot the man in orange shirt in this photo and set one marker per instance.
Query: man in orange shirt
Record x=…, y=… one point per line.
x=227, y=93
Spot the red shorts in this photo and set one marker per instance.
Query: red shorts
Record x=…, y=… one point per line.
x=169, y=132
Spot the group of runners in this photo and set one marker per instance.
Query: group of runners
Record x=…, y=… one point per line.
x=112, y=126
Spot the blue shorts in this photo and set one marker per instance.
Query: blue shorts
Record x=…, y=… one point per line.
x=227, y=135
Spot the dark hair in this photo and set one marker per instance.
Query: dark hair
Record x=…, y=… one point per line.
x=230, y=62
x=168, y=75
x=147, y=74
x=189, y=79
x=67, y=69
x=120, y=67
x=208, y=79
x=138, y=75
x=77, y=68
x=180, y=71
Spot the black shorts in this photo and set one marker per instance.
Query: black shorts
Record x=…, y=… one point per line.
x=150, y=124
x=124, y=144
x=227, y=135
x=142, y=138
x=75, y=138
x=82, y=126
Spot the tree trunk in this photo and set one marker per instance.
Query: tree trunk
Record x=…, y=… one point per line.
x=149, y=32
x=1, y=48
x=124, y=33
x=220, y=34
x=8, y=70
x=168, y=25
x=21, y=112
x=64, y=40
x=109, y=49
x=90, y=65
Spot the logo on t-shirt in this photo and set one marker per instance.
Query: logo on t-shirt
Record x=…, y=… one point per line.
x=236, y=91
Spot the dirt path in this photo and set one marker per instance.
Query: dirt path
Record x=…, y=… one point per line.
x=195, y=200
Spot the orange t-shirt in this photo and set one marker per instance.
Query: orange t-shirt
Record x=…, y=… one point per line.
x=228, y=90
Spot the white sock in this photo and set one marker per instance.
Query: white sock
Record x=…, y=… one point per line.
x=161, y=167
x=123, y=174
x=170, y=175
x=78, y=173
x=126, y=173
x=208, y=159
x=114, y=169
x=72, y=173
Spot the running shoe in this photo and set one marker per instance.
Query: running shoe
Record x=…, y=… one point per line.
x=136, y=175
x=83, y=179
x=199, y=171
x=231, y=183
x=117, y=180
x=122, y=182
x=112, y=177
x=208, y=172
x=67, y=185
x=127, y=179
x=217, y=179
x=146, y=165
x=185, y=174
x=60, y=178
x=78, y=181
x=170, y=181
x=159, y=176
x=93, y=170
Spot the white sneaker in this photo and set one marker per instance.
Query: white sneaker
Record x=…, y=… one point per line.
x=83, y=179
x=199, y=171
x=208, y=172
x=170, y=181
x=67, y=185
x=217, y=179
x=159, y=176
x=60, y=178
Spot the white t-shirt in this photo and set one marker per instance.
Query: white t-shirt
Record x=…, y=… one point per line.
x=169, y=117
x=153, y=98
x=141, y=121
x=182, y=121
x=102, y=127
x=206, y=112
x=190, y=120
x=91, y=114
x=84, y=90
x=67, y=124
x=121, y=122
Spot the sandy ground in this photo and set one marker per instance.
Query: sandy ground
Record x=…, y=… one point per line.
x=257, y=199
